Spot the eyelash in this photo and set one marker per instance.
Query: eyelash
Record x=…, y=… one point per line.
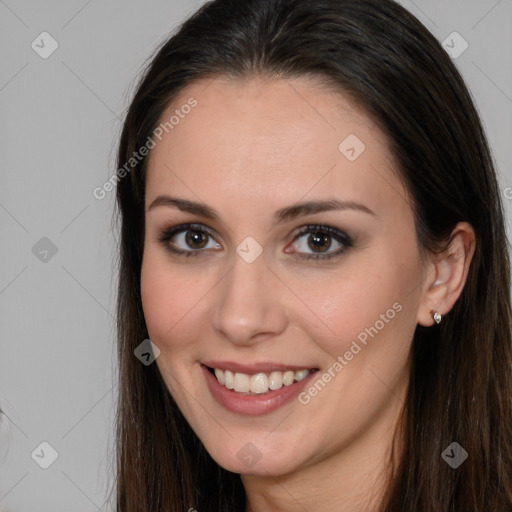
x=339, y=236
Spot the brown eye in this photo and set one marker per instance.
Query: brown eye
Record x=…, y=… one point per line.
x=188, y=240
x=319, y=240
x=196, y=239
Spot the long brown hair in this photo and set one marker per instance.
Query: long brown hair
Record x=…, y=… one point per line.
x=460, y=388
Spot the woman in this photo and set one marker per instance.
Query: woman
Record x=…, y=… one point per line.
x=312, y=238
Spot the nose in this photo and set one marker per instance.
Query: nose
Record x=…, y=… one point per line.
x=250, y=303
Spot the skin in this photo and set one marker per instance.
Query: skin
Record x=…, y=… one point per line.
x=249, y=148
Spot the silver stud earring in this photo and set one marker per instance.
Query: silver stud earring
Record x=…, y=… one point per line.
x=437, y=317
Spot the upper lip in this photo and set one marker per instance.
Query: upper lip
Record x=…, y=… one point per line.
x=259, y=367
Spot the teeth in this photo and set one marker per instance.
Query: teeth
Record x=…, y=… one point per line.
x=288, y=378
x=241, y=382
x=259, y=383
x=301, y=374
x=275, y=380
x=228, y=379
x=220, y=375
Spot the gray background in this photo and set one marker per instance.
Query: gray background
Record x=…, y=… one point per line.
x=61, y=117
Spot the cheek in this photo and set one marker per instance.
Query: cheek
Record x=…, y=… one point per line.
x=167, y=296
x=366, y=301
x=156, y=302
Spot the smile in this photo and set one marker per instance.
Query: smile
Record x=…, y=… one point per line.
x=258, y=383
x=255, y=389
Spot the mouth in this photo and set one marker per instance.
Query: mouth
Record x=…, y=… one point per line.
x=260, y=383
x=257, y=389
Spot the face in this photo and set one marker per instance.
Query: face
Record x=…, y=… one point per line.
x=280, y=251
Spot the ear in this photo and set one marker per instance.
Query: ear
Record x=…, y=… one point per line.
x=447, y=274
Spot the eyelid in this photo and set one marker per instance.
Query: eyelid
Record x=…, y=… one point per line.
x=186, y=226
x=324, y=228
x=339, y=235
x=166, y=234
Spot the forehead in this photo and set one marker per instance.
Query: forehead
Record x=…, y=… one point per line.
x=261, y=137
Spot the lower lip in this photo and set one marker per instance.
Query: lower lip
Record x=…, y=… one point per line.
x=253, y=405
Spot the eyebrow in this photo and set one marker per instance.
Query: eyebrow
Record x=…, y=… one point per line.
x=282, y=215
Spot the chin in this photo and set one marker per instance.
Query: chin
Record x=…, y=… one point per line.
x=247, y=459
